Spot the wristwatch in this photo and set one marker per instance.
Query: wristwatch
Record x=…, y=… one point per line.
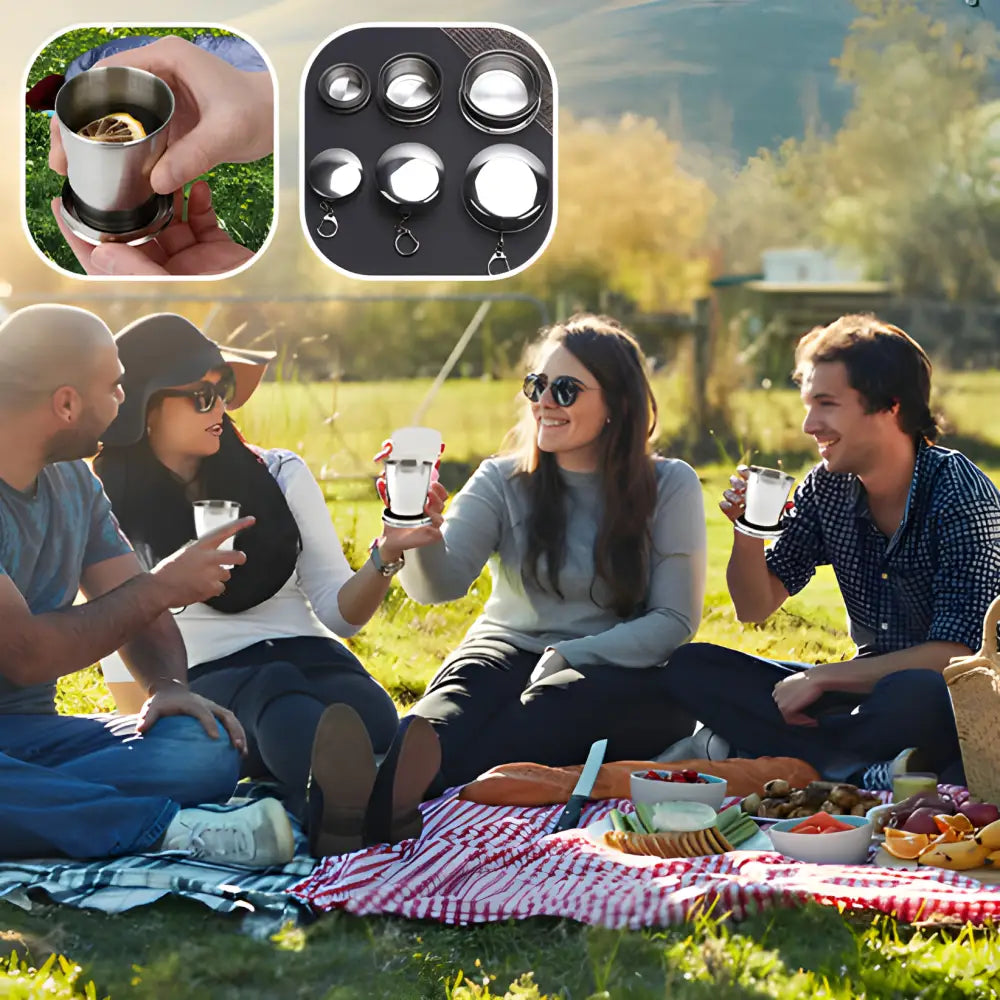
x=384, y=568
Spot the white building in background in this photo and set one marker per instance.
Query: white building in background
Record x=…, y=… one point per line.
x=805, y=266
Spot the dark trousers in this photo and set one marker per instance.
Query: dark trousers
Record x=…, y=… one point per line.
x=731, y=693
x=486, y=713
x=278, y=689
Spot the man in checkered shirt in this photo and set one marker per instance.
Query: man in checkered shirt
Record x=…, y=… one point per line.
x=912, y=531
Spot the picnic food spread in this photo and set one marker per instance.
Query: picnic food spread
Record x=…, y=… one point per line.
x=781, y=801
x=677, y=830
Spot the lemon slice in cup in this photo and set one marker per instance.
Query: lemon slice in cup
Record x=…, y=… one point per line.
x=116, y=127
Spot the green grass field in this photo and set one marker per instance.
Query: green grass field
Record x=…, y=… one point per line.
x=178, y=949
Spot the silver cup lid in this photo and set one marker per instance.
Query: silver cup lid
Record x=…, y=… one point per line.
x=345, y=87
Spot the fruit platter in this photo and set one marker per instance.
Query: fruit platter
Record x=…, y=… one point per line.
x=930, y=830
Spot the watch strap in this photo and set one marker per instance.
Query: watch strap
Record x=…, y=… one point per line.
x=384, y=568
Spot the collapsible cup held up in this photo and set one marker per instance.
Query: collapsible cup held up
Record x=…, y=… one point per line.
x=108, y=182
x=408, y=468
x=766, y=496
x=210, y=515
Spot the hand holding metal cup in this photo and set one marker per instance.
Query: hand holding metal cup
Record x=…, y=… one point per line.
x=411, y=456
x=762, y=502
x=212, y=514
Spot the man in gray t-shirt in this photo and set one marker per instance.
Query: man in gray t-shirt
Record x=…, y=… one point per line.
x=93, y=786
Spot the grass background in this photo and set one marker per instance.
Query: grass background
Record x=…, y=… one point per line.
x=242, y=193
x=177, y=949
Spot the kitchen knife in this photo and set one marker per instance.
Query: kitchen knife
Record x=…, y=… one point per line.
x=570, y=816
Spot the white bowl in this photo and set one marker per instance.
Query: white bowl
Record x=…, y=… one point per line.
x=650, y=791
x=846, y=847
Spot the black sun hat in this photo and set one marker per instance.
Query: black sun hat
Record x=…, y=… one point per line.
x=166, y=350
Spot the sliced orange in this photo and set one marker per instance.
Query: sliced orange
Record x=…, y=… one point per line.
x=116, y=127
x=906, y=846
x=948, y=836
x=959, y=822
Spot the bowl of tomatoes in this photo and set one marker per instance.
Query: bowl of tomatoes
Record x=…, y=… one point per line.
x=823, y=839
x=655, y=785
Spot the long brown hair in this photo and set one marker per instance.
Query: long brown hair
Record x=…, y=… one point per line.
x=621, y=552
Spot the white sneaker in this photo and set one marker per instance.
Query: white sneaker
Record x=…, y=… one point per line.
x=258, y=835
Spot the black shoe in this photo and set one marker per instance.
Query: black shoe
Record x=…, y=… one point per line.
x=412, y=763
x=341, y=779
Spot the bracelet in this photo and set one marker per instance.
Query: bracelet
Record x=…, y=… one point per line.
x=383, y=568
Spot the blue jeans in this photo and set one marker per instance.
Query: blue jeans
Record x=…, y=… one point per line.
x=731, y=693
x=91, y=787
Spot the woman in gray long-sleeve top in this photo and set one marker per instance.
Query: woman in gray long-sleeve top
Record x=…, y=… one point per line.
x=598, y=556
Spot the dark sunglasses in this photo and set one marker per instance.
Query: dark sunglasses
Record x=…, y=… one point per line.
x=204, y=395
x=564, y=388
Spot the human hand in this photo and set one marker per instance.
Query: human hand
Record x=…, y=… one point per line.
x=733, y=502
x=221, y=114
x=795, y=693
x=175, y=699
x=550, y=662
x=200, y=569
x=195, y=245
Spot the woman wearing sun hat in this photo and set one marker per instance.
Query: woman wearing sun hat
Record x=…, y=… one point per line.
x=266, y=647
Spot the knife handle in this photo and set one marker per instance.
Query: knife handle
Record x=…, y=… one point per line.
x=569, y=819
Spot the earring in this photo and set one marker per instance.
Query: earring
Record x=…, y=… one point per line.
x=607, y=420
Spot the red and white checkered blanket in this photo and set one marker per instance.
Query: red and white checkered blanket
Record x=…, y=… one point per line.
x=477, y=863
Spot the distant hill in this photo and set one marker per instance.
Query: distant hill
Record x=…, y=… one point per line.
x=732, y=75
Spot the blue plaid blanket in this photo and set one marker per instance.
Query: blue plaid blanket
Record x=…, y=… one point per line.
x=114, y=885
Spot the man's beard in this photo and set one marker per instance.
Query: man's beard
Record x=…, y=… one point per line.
x=68, y=445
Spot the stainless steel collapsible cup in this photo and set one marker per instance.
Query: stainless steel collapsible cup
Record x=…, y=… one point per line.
x=506, y=189
x=107, y=195
x=335, y=175
x=500, y=92
x=409, y=175
x=345, y=88
x=409, y=88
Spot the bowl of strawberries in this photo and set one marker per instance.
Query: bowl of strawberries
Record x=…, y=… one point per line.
x=655, y=785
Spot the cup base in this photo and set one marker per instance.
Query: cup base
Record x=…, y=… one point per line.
x=744, y=527
x=86, y=226
x=403, y=521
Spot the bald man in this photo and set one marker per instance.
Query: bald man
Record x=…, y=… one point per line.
x=100, y=786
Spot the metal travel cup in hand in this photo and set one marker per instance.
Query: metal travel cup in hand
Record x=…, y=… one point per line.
x=107, y=194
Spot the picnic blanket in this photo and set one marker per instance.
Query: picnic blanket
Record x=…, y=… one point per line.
x=476, y=863
x=114, y=885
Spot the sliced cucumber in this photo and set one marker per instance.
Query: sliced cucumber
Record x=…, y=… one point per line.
x=645, y=815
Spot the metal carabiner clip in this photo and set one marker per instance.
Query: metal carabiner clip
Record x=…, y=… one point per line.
x=499, y=257
x=403, y=233
x=328, y=216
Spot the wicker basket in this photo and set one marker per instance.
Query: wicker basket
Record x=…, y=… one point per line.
x=974, y=686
